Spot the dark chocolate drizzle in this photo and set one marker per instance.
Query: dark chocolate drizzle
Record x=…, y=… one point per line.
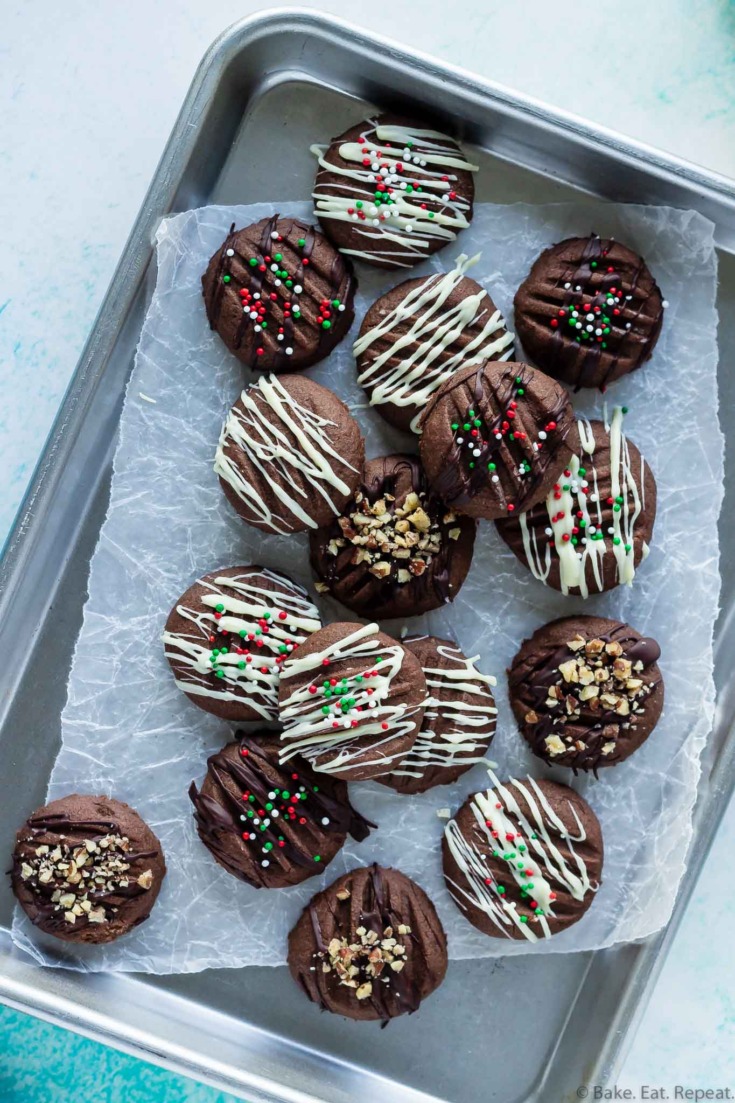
x=339, y=279
x=532, y=680
x=353, y=578
x=595, y=249
x=257, y=772
x=402, y=994
x=46, y=913
x=457, y=483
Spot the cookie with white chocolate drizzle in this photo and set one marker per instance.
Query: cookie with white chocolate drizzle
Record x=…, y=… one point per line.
x=459, y=721
x=391, y=192
x=278, y=294
x=228, y=636
x=420, y=333
x=351, y=702
x=586, y=691
x=523, y=859
x=594, y=528
x=290, y=454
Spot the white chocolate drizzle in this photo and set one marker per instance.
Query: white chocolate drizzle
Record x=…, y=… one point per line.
x=263, y=430
x=580, y=493
x=414, y=159
x=511, y=835
x=411, y=378
x=244, y=600
x=457, y=744
x=345, y=734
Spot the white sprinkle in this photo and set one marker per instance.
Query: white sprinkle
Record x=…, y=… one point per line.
x=495, y=479
x=664, y=304
x=230, y=252
x=275, y=814
x=274, y=234
x=277, y=283
x=567, y=286
x=542, y=435
x=289, y=351
x=279, y=337
x=325, y=820
x=593, y=498
x=341, y=307
x=549, y=532
x=589, y=317
x=298, y=289
x=408, y=227
x=627, y=325
x=274, y=268
x=265, y=863
x=256, y=295
x=257, y=329
x=271, y=795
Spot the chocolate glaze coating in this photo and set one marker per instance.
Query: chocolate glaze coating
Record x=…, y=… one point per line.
x=388, y=245
x=361, y=741
x=195, y=630
x=72, y=830
x=593, y=734
x=506, y=398
x=323, y=274
x=428, y=344
x=601, y=572
x=288, y=851
x=366, y=900
x=459, y=721
x=270, y=491
x=546, y=807
x=615, y=285
x=356, y=584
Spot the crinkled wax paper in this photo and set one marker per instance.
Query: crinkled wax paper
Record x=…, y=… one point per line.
x=128, y=731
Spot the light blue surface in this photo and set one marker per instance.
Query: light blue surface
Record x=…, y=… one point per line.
x=90, y=95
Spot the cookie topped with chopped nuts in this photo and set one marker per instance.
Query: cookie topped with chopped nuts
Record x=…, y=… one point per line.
x=586, y=691
x=87, y=869
x=396, y=550
x=370, y=946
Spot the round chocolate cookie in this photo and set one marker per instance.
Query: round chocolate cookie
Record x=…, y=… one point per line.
x=290, y=454
x=494, y=438
x=279, y=295
x=594, y=527
x=459, y=721
x=351, y=702
x=87, y=869
x=419, y=334
x=267, y=824
x=523, y=859
x=589, y=311
x=396, y=551
x=370, y=946
x=227, y=637
x=391, y=192
x=586, y=691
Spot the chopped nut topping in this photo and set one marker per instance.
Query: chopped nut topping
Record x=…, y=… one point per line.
x=74, y=878
x=600, y=677
x=359, y=963
x=344, y=894
x=397, y=542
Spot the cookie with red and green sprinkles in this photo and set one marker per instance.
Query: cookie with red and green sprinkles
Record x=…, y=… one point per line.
x=271, y=825
x=228, y=636
x=595, y=526
x=589, y=311
x=279, y=294
x=351, y=702
x=494, y=438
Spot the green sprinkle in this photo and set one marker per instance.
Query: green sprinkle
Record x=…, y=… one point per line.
x=301, y=242
x=624, y=409
x=241, y=665
x=326, y=324
x=278, y=256
x=220, y=608
x=466, y=426
x=472, y=465
x=455, y=426
x=472, y=413
x=520, y=391
x=289, y=284
x=524, y=919
x=358, y=204
x=379, y=659
x=317, y=857
x=582, y=471
x=253, y=261
x=491, y=467
x=335, y=302
x=269, y=807
x=627, y=547
x=243, y=633
x=226, y=279
x=501, y=890
x=220, y=673
x=593, y=264
x=325, y=709
x=616, y=540
x=267, y=846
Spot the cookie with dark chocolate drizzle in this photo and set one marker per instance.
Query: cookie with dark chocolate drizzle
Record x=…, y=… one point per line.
x=279, y=294
x=271, y=825
x=586, y=691
x=86, y=869
x=494, y=438
x=370, y=946
x=396, y=550
x=589, y=311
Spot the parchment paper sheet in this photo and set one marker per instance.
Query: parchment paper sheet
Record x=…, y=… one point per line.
x=128, y=731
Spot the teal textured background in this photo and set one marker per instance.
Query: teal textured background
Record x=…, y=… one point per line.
x=44, y=1064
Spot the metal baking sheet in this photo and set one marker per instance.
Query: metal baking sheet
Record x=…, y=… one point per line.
x=267, y=89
